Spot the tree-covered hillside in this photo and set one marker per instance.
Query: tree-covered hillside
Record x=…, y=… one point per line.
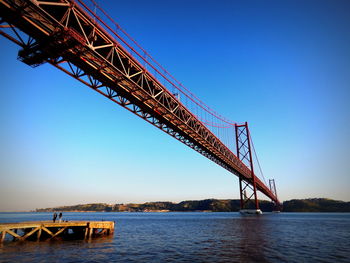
x=316, y=205
x=213, y=205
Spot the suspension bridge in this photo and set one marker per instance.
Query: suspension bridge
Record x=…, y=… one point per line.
x=96, y=51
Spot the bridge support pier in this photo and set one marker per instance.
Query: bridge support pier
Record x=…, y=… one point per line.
x=249, y=203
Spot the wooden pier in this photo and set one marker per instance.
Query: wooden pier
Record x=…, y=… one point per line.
x=48, y=230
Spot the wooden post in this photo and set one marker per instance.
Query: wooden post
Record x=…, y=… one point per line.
x=90, y=232
x=3, y=234
x=39, y=233
x=87, y=230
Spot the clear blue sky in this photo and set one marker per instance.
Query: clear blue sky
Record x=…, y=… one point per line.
x=283, y=66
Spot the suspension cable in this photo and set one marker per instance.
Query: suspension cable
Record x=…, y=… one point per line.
x=256, y=157
x=187, y=92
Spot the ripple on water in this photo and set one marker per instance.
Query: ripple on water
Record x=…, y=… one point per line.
x=195, y=237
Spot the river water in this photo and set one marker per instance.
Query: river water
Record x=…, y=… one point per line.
x=194, y=237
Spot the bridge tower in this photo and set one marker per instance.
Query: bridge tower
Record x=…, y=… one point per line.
x=244, y=154
x=272, y=186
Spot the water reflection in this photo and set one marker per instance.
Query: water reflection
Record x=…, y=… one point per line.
x=253, y=238
x=34, y=246
x=242, y=239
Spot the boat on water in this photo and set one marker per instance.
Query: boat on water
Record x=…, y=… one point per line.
x=250, y=211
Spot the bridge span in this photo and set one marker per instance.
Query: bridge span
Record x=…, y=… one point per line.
x=70, y=36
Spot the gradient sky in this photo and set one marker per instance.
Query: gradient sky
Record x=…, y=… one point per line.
x=283, y=66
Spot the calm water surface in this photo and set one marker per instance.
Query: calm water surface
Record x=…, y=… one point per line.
x=194, y=237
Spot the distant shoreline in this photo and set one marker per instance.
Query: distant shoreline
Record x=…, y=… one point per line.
x=63, y=211
x=208, y=205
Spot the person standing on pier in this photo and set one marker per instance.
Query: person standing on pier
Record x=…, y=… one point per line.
x=60, y=217
x=54, y=217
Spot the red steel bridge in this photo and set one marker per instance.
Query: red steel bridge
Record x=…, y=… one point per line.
x=81, y=39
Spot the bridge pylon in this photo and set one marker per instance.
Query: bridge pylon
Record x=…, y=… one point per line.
x=272, y=186
x=244, y=154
